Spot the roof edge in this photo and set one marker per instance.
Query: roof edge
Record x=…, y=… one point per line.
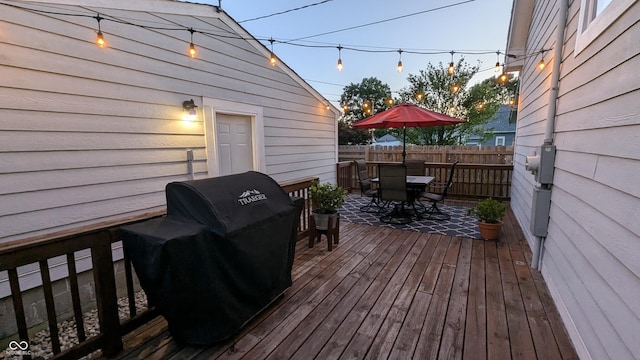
x=519, y=26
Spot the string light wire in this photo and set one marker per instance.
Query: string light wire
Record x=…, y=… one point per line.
x=285, y=11
x=294, y=42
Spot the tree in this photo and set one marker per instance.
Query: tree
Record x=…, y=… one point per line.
x=359, y=101
x=435, y=89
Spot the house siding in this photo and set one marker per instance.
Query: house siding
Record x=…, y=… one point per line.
x=90, y=134
x=591, y=252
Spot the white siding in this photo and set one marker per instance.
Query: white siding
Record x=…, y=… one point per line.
x=593, y=245
x=90, y=134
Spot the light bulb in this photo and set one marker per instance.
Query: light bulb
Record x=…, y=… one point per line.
x=272, y=59
x=455, y=88
x=419, y=96
x=541, y=65
x=100, y=40
x=339, y=67
x=452, y=68
x=192, y=50
x=503, y=78
x=497, y=68
x=399, y=66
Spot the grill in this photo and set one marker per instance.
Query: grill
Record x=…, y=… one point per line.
x=223, y=252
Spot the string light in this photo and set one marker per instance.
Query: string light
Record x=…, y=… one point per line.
x=497, y=68
x=100, y=38
x=100, y=41
x=419, y=96
x=503, y=78
x=455, y=88
x=541, y=64
x=452, y=67
x=192, y=48
x=339, y=67
x=400, y=61
x=390, y=101
x=272, y=57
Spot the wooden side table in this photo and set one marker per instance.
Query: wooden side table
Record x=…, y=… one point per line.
x=332, y=232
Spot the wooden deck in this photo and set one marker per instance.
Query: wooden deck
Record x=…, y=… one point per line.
x=392, y=294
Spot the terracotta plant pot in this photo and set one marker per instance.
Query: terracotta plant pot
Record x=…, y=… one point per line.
x=489, y=231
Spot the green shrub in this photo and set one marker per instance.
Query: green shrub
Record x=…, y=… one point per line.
x=489, y=211
x=327, y=198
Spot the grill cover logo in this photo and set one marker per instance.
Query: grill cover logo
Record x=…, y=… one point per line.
x=251, y=196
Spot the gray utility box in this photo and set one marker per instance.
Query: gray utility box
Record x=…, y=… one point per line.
x=541, y=164
x=540, y=211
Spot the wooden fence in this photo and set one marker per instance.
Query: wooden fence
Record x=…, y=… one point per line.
x=469, y=181
x=430, y=154
x=98, y=240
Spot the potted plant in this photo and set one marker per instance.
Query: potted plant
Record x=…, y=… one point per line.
x=489, y=213
x=326, y=199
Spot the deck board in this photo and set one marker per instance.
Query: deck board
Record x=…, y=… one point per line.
x=391, y=294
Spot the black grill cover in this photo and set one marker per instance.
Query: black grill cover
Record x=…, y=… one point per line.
x=222, y=254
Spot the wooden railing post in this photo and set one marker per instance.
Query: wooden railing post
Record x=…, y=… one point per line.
x=107, y=300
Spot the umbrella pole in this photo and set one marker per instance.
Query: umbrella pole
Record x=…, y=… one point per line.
x=404, y=142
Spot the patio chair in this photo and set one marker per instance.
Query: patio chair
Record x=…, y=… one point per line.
x=434, y=212
x=415, y=167
x=366, y=188
x=393, y=189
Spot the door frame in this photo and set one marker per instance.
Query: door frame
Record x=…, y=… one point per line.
x=212, y=107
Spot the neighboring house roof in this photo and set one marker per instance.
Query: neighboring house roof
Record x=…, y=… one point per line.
x=387, y=140
x=499, y=123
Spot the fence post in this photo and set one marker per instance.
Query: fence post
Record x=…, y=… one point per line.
x=366, y=153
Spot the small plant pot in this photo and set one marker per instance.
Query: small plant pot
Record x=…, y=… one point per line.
x=489, y=231
x=322, y=220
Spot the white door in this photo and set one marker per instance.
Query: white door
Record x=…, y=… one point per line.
x=235, y=147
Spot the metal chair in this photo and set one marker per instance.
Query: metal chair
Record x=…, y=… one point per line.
x=393, y=188
x=434, y=212
x=366, y=188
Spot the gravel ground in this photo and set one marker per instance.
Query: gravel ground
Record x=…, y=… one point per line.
x=40, y=343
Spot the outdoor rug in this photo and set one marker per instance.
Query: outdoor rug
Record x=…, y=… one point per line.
x=459, y=225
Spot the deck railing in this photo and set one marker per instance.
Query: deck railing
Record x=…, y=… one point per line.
x=469, y=181
x=98, y=240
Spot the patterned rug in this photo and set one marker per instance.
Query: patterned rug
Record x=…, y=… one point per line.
x=459, y=225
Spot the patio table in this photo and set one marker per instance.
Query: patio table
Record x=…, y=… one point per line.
x=415, y=184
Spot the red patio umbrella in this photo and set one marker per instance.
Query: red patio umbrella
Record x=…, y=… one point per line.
x=406, y=115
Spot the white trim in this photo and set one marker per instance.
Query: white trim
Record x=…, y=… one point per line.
x=569, y=325
x=211, y=108
x=591, y=25
x=503, y=138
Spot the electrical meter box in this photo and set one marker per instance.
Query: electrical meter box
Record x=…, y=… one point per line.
x=542, y=163
x=540, y=211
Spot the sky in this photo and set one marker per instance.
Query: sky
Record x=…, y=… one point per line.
x=422, y=26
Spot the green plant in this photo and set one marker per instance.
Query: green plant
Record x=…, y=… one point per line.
x=327, y=198
x=489, y=211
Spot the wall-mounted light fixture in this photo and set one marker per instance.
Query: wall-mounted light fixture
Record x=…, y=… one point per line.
x=189, y=108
